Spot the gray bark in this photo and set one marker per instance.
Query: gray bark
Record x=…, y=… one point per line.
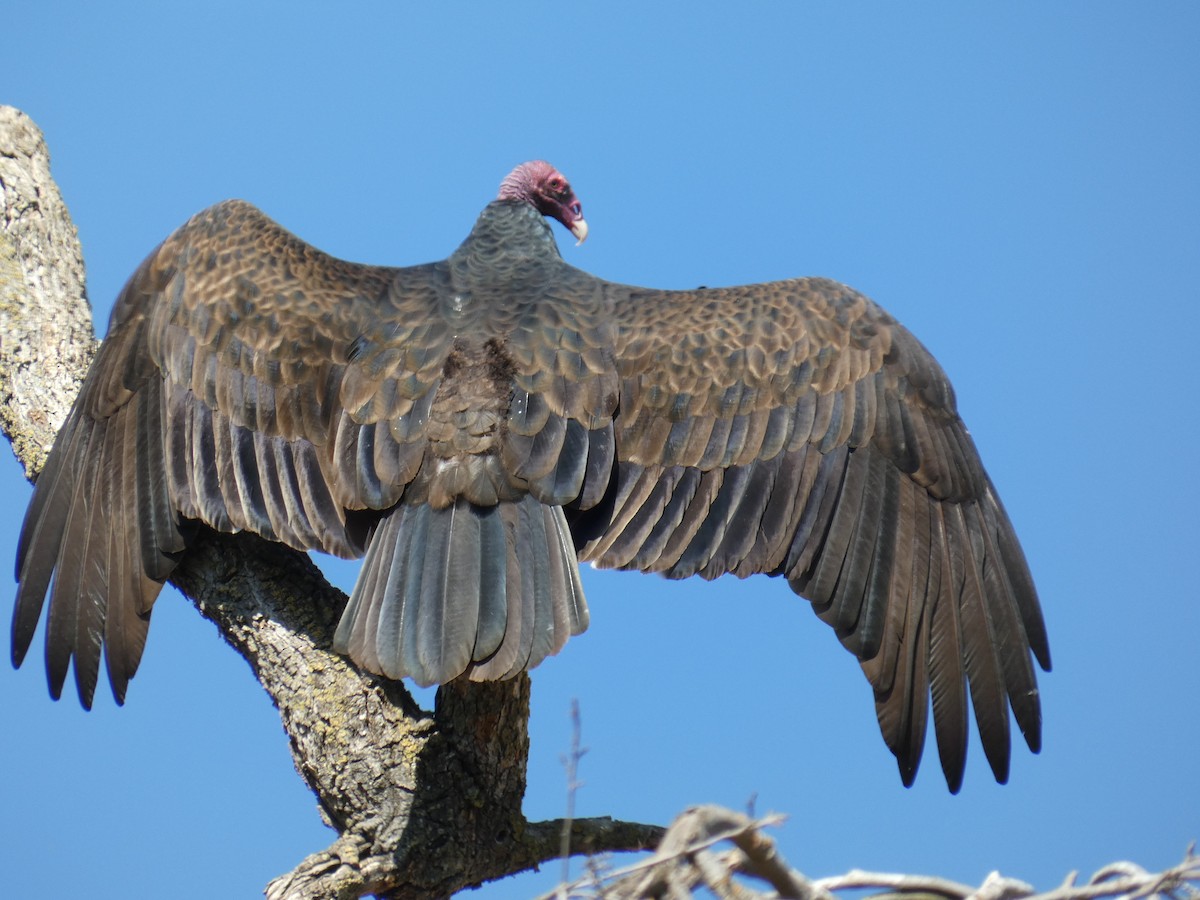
x=425, y=803
x=46, y=338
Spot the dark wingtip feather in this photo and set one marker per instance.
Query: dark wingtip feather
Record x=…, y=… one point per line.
x=1033, y=734
x=954, y=780
x=43, y=531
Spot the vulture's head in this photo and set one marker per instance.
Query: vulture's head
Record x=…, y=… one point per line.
x=544, y=187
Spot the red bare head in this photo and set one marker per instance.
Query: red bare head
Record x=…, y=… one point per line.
x=542, y=186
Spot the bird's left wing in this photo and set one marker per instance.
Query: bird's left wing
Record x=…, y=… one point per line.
x=796, y=429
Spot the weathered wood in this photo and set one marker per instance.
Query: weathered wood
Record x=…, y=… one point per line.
x=46, y=337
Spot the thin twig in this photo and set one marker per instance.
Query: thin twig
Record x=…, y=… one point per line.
x=664, y=857
x=571, y=763
x=686, y=863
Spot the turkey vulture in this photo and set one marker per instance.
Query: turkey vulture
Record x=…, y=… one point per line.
x=478, y=426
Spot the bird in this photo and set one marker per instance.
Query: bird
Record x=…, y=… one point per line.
x=475, y=428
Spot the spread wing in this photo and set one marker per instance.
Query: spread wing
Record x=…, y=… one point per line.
x=248, y=381
x=796, y=429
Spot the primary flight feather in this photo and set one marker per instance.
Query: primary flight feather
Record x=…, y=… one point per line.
x=478, y=426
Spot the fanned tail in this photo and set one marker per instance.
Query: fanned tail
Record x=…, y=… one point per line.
x=486, y=591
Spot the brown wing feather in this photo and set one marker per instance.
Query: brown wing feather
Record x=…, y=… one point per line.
x=796, y=429
x=238, y=360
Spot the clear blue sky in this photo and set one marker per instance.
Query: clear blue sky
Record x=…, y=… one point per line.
x=1018, y=183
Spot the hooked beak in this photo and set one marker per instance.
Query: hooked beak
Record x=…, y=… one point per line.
x=580, y=230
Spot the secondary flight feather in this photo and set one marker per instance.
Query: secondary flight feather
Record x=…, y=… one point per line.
x=476, y=427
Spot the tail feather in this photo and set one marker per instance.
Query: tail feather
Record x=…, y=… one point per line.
x=511, y=656
x=485, y=591
x=392, y=626
x=536, y=569
x=571, y=615
x=493, y=605
x=448, y=609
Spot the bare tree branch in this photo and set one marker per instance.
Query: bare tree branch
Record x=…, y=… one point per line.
x=691, y=858
x=425, y=804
